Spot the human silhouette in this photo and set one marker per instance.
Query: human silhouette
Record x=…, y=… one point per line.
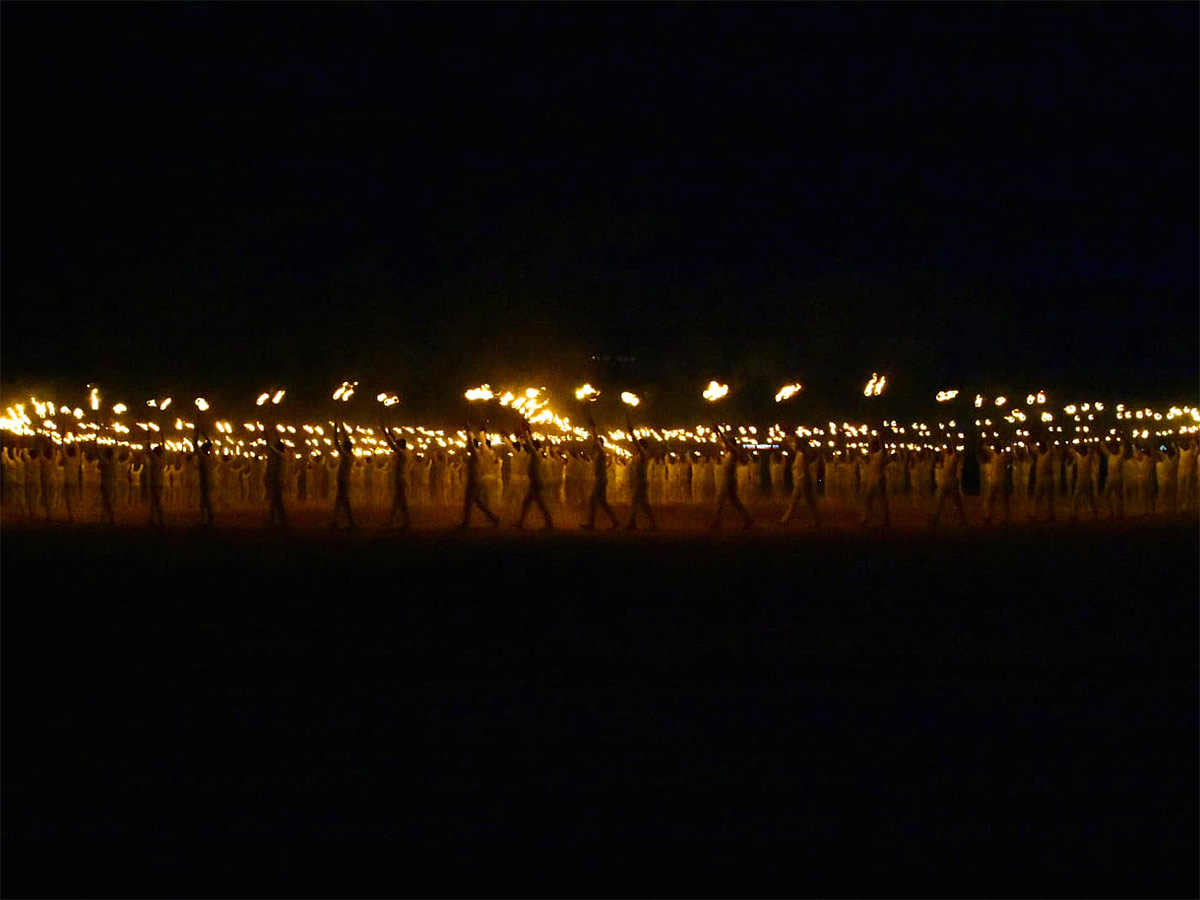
x=641, y=481
x=1045, y=463
x=534, y=494
x=949, y=485
x=802, y=485
x=1087, y=466
x=473, y=487
x=273, y=481
x=400, y=461
x=728, y=489
x=108, y=478
x=345, y=454
x=875, y=481
x=599, y=495
x=204, y=464
x=156, y=464
x=994, y=464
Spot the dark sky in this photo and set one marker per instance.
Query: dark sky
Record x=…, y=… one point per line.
x=227, y=194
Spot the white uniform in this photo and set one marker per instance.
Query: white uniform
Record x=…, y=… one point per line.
x=1187, y=478
x=875, y=485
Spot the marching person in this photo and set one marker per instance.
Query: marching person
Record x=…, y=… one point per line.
x=599, y=496
x=641, y=480
x=399, y=476
x=1114, y=482
x=1045, y=464
x=802, y=486
x=728, y=492
x=1087, y=464
x=994, y=465
x=875, y=481
x=345, y=465
x=949, y=484
x=473, y=494
x=533, y=493
x=108, y=479
x=204, y=460
x=156, y=465
x=273, y=481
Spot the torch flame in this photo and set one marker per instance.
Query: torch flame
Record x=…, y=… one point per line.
x=715, y=391
x=483, y=392
x=788, y=391
x=585, y=392
x=630, y=399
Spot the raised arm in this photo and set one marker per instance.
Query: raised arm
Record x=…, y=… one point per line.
x=591, y=423
x=389, y=436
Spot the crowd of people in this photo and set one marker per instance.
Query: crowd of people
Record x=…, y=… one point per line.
x=523, y=479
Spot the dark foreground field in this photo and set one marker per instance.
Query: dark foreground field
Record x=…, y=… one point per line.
x=239, y=714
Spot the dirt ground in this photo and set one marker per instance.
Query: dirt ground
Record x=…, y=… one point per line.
x=906, y=515
x=960, y=712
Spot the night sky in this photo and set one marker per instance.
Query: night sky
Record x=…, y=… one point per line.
x=421, y=196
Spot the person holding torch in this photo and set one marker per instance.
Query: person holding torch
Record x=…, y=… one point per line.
x=802, y=485
x=533, y=494
x=728, y=492
x=345, y=452
x=599, y=497
x=399, y=475
x=641, y=481
x=473, y=495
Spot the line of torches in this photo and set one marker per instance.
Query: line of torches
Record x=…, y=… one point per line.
x=533, y=405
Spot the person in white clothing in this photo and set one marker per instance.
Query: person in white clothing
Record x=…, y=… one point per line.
x=802, y=485
x=400, y=461
x=1087, y=464
x=875, y=481
x=949, y=484
x=994, y=466
x=534, y=491
x=728, y=491
x=640, y=482
x=599, y=495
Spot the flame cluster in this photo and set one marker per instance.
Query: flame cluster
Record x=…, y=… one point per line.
x=788, y=391
x=1081, y=423
x=875, y=386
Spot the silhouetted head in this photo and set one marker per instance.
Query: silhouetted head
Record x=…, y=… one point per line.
x=402, y=443
x=158, y=450
x=206, y=448
x=347, y=447
x=108, y=452
x=71, y=450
